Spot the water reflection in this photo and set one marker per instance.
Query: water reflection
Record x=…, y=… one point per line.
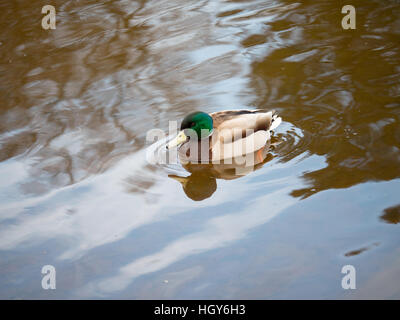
x=202, y=181
x=343, y=94
x=356, y=252
x=391, y=215
x=217, y=232
x=78, y=101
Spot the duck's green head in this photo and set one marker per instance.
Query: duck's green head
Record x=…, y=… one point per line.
x=200, y=122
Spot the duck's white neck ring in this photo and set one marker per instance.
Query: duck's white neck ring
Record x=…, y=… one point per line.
x=209, y=135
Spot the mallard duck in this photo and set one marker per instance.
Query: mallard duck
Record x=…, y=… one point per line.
x=224, y=135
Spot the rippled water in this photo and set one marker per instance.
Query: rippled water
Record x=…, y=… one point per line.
x=77, y=191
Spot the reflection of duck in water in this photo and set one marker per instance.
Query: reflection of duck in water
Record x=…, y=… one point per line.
x=202, y=182
x=223, y=145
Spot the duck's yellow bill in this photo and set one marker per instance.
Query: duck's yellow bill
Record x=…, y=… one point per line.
x=180, y=138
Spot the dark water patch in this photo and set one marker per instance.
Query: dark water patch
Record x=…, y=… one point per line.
x=391, y=215
x=359, y=251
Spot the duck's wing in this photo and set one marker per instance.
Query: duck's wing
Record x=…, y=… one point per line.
x=223, y=118
x=239, y=147
x=238, y=124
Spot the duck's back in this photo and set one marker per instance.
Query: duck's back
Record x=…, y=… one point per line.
x=243, y=119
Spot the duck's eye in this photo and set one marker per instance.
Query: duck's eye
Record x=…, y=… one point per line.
x=192, y=124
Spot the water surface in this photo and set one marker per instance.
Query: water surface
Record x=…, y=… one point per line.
x=77, y=191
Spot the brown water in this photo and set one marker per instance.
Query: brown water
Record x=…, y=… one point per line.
x=77, y=192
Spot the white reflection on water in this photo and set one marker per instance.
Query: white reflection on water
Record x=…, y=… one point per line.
x=103, y=199
x=217, y=232
x=102, y=212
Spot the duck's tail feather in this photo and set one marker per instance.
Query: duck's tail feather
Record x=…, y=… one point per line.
x=276, y=121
